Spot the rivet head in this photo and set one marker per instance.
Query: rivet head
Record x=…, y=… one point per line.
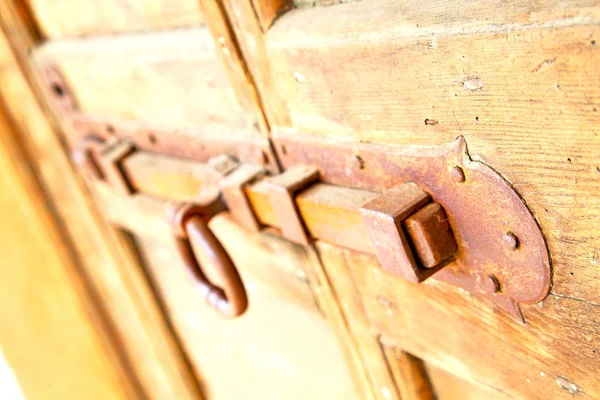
x=511, y=241
x=458, y=174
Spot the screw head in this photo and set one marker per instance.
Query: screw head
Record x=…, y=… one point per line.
x=511, y=241
x=457, y=174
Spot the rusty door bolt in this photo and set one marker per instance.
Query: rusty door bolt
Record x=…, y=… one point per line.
x=383, y=218
x=457, y=174
x=511, y=241
x=411, y=234
x=233, y=188
x=282, y=192
x=431, y=235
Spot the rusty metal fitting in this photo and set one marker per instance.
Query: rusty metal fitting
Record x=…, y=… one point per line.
x=383, y=218
x=223, y=164
x=233, y=189
x=430, y=235
x=86, y=155
x=190, y=224
x=179, y=212
x=282, y=191
x=411, y=235
x=111, y=162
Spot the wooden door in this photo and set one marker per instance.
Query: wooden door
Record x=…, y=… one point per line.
x=518, y=82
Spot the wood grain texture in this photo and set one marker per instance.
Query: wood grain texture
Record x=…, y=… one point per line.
x=170, y=80
x=456, y=332
x=230, y=54
x=280, y=348
x=450, y=387
x=251, y=39
x=68, y=18
x=138, y=323
x=379, y=376
x=47, y=334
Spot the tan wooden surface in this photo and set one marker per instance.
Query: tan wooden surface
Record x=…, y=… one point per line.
x=171, y=79
x=366, y=341
x=251, y=38
x=450, y=387
x=67, y=18
x=410, y=375
x=230, y=54
x=47, y=335
x=280, y=348
x=463, y=335
x=114, y=275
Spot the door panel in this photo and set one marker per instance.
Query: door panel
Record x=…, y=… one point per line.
x=174, y=83
x=282, y=347
x=70, y=18
x=171, y=80
x=465, y=336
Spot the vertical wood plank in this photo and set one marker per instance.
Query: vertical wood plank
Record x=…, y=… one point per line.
x=335, y=277
x=50, y=330
x=140, y=327
x=228, y=49
x=250, y=35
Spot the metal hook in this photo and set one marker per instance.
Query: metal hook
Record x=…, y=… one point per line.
x=190, y=223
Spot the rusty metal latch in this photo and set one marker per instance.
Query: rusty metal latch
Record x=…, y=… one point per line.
x=425, y=212
x=469, y=228
x=190, y=224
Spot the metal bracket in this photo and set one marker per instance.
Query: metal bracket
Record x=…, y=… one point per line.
x=233, y=188
x=282, y=190
x=501, y=252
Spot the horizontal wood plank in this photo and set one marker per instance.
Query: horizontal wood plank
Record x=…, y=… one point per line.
x=170, y=80
x=68, y=18
x=461, y=334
